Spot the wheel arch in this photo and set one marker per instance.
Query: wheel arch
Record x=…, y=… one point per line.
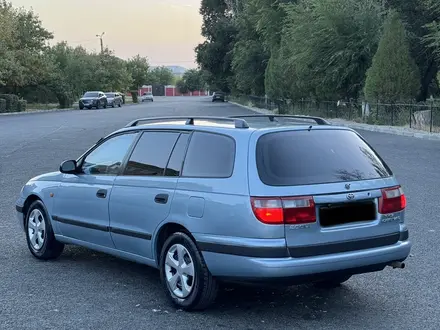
x=27, y=204
x=165, y=231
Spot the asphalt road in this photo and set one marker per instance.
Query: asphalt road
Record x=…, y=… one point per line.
x=88, y=290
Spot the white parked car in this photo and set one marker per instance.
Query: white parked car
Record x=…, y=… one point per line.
x=147, y=97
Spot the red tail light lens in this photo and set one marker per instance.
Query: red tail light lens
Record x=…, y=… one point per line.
x=299, y=210
x=392, y=200
x=268, y=210
x=286, y=210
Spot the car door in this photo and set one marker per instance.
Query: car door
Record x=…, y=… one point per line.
x=81, y=202
x=142, y=195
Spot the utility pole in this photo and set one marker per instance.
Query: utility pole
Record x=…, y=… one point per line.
x=102, y=44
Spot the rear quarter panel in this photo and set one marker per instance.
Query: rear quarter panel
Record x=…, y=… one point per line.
x=219, y=210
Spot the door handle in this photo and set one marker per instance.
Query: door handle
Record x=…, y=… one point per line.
x=101, y=193
x=161, y=198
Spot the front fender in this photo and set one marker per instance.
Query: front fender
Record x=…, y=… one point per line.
x=46, y=191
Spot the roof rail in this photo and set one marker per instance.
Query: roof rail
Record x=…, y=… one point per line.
x=318, y=120
x=238, y=122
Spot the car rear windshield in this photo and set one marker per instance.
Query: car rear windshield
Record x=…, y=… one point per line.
x=91, y=95
x=291, y=158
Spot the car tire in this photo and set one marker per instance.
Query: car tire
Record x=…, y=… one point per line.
x=39, y=233
x=90, y=108
x=333, y=282
x=120, y=104
x=113, y=105
x=81, y=107
x=105, y=105
x=203, y=287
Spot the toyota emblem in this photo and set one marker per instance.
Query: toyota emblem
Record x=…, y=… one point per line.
x=350, y=196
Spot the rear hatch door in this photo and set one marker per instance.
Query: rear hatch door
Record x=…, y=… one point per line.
x=331, y=185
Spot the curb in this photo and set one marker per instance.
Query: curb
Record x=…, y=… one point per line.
x=53, y=111
x=365, y=127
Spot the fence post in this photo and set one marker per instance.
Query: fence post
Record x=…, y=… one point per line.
x=410, y=115
x=328, y=110
x=377, y=111
x=432, y=110
x=349, y=111
x=392, y=114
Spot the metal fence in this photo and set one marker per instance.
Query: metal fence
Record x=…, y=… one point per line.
x=421, y=116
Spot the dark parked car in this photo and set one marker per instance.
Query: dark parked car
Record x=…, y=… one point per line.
x=218, y=96
x=114, y=99
x=93, y=100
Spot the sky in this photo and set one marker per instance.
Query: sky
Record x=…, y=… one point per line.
x=166, y=31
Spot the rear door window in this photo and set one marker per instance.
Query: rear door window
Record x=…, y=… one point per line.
x=151, y=154
x=209, y=156
x=291, y=158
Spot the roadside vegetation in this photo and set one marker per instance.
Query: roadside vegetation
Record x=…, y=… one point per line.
x=36, y=75
x=373, y=50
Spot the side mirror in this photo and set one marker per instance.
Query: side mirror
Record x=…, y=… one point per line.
x=68, y=167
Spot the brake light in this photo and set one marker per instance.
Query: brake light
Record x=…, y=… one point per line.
x=284, y=210
x=392, y=200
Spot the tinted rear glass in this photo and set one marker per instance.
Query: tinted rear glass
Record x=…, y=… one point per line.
x=318, y=156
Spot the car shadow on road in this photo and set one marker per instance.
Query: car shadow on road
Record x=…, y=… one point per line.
x=306, y=302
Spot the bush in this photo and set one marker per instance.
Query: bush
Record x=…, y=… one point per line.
x=11, y=102
x=2, y=105
x=394, y=75
x=21, y=106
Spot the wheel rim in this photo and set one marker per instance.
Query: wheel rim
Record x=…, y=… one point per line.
x=36, y=229
x=179, y=270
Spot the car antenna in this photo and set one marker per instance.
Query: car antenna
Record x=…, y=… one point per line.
x=310, y=127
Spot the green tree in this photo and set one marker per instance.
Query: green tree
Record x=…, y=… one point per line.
x=394, y=75
x=419, y=18
x=161, y=75
x=22, y=43
x=250, y=56
x=138, y=67
x=181, y=86
x=193, y=80
x=215, y=54
x=328, y=46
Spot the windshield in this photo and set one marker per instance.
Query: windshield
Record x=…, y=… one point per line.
x=110, y=94
x=90, y=94
x=292, y=158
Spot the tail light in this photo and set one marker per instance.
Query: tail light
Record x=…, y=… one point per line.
x=392, y=200
x=284, y=210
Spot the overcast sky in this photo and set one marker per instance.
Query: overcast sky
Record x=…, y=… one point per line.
x=166, y=31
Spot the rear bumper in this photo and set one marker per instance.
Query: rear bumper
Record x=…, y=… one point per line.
x=243, y=268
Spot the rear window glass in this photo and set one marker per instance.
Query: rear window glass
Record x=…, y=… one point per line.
x=293, y=158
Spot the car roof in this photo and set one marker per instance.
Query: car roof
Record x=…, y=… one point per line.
x=238, y=125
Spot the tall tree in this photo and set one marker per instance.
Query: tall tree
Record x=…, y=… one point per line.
x=328, y=46
x=215, y=54
x=394, y=75
x=22, y=42
x=418, y=16
x=138, y=67
x=193, y=80
x=161, y=75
